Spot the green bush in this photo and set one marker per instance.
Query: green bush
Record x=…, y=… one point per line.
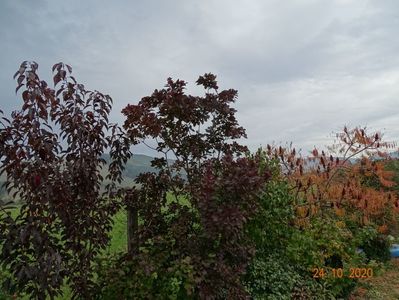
x=4, y=293
x=153, y=274
x=286, y=255
x=377, y=249
x=271, y=278
x=280, y=269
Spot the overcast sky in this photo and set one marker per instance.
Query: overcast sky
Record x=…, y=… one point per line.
x=302, y=68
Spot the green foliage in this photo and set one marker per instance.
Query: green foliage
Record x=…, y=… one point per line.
x=286, y=254
x=377, y=249
x=374, y=245
x=4, y=295
x=275, y=213
x=329, y=246
x=150, y=275
x=271, y=277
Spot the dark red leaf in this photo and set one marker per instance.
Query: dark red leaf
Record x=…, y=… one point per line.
x=56, y=79
x=57, y=66
x=18, y=87
x=25, y=95
x=20, y=79
x=69, y=68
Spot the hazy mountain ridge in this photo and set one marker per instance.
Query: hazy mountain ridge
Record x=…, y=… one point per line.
x=138, y=163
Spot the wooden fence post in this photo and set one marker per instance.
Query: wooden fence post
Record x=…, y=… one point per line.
x=132, y=230
x=132, y=196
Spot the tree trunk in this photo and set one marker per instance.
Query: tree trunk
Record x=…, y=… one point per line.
x=132, y=228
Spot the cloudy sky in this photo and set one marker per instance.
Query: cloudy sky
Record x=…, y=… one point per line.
x=303, y=68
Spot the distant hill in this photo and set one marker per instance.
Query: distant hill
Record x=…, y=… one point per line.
x=139, y=163
x=394, y=155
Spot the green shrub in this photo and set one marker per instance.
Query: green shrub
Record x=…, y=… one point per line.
x=146, y=276
x=377, y=249
x=5, y=294
x=286, y=255
x=271, y=278
x=280, y=269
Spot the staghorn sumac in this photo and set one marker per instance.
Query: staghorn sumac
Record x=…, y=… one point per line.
x=351, y=180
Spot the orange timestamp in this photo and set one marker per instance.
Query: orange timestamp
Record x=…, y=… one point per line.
x=354, y=273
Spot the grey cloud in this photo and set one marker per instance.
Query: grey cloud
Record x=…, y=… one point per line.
x=302, y=68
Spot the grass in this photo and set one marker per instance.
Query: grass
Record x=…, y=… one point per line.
x=385, y=286
x=118, y=243
x=118, y=233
